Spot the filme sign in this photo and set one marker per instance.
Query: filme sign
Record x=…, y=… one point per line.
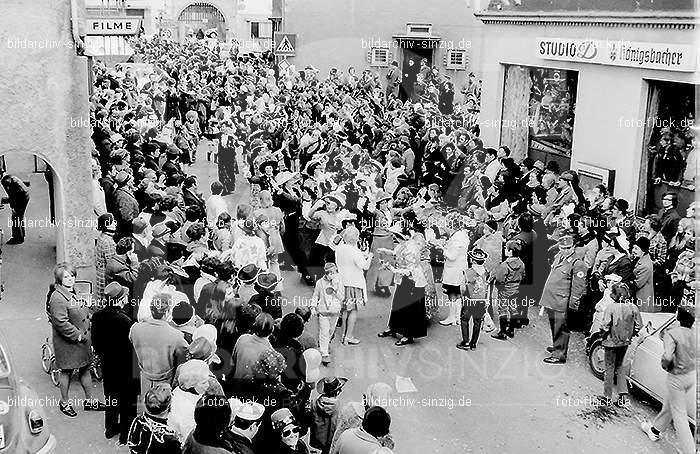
x=667, y=57
x=112, y=26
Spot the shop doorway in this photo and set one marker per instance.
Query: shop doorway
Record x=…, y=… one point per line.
x=414, y=50
x=669, y=156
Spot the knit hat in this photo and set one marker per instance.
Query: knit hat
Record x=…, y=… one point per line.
x=269, y=365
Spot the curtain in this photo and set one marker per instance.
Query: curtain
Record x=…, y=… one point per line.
x=514, y=118
x=645, y=186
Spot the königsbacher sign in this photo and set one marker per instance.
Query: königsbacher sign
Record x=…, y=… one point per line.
x=667, y=57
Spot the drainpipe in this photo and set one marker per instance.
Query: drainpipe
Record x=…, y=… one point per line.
x=75, y=24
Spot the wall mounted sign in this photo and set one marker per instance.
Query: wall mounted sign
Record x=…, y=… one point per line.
x=112, y=26
x=667, y=57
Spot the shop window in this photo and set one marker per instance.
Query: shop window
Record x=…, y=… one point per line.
x=379, y=56
x=538, y=113
x=669, y=159
x=456, y=59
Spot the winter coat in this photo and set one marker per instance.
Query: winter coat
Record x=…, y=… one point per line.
x=69, y=318
x=120, y=270
x=127, y=207
x=110, y=339
x=566, y=283
x=325, y=420
x=507, y=277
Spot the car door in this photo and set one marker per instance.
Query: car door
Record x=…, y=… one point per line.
x=646, y=369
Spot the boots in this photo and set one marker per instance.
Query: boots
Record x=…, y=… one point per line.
x=503, y=325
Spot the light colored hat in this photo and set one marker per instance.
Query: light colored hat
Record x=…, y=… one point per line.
x=250, y=411
x=285, y=176
x=206, y=331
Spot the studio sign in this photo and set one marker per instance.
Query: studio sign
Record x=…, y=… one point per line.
x=669, y=57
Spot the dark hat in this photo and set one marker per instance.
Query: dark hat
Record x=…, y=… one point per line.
x=282, y=418
x=268, y=162
x=329, y=386
x=248, y=273
x=200, y=348
x=267, y=281
x=182, y=313
x=114, y=290
x=478, y=255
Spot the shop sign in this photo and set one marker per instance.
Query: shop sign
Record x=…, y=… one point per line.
x=667, y=57
x=112, y=26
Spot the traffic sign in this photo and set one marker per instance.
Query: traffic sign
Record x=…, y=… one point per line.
x=283, y=65
x=285, y=44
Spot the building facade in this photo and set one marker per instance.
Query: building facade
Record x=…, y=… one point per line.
x=610, y=94
x=370, y=34
x=45, y=93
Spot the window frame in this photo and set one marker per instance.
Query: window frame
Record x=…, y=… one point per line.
x=373, y=57
x=454, y=66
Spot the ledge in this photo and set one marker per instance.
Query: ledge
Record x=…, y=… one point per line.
x=674, y=20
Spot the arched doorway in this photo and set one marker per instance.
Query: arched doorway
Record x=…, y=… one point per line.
x=202, y=16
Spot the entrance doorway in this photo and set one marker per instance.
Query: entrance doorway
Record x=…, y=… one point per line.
x=414, y=51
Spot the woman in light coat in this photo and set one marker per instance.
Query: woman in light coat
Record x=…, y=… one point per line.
x=70, y=322
x=455, y=252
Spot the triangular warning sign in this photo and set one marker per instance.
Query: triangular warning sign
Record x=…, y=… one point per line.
x=285, y=46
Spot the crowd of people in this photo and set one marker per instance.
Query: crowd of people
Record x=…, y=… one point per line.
x=356, y=191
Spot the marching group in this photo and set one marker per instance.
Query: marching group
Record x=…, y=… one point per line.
x=358, y=192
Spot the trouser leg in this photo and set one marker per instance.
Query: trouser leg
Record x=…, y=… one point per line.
x=324, y=333
x=560, y=334
x=609, y=375
x=111, y=412
x=674, y=408
x=620, y=377
x=464, y=316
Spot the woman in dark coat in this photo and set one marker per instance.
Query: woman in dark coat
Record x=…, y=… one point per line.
x=70, y=320
x=228, y=167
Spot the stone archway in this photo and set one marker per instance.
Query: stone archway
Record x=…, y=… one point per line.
x=204, y=16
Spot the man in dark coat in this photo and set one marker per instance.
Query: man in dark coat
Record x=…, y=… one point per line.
x=110, y=339
x=190, y=195
x=124, y=266
x=127, y=208
x=18, y=195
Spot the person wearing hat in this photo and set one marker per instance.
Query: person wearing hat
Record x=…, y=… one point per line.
x=330, y=218
x=285, y=341
x=110, y=341
x=378, y=278
x=123, y=266
x=18, y=198
x=191, y=382
x=505, y=279
x=127, y=207
x=266, y=297
x=266, y=174
x=562, y=292
x=475, y=298
x=287, y=430
x=644, y=276
x=246, y=278
x=247, y=419
x=492, y=244
x=185, y=320
x=325, y=412
x=172, y=166
x=149, y=432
